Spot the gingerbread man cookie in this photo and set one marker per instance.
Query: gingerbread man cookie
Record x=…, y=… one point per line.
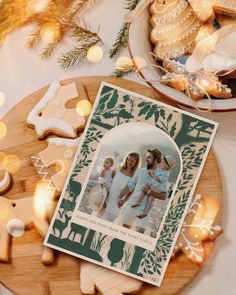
x=59, y=153
x=5, y=180
x=198, y=227
x=51, y=116
x=108, y=282
x=206, y=9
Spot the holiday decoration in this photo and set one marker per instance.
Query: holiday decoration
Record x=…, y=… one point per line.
x=198, y=227
x=54, y=19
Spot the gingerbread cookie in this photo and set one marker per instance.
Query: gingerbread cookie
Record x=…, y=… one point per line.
x=106, y=281
x=23, y=211
x=175, y=27
x=5, y=180
x=198, y=227
x=206, y=9
x=51, y=115
x=53, y=163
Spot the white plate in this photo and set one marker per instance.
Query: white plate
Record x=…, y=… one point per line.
x=140, y=46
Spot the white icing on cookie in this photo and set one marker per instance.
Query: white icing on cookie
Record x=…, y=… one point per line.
x=47, y=124
x=5, y=180
x=63, y=141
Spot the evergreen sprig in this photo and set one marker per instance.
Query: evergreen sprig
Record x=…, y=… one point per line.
x=123, y=71
x=86, y=39
x=120, y=42
x=122, y=36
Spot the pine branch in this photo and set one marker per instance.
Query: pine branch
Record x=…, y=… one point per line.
x=33, y=39
x=119, y=74
x=122, y=36
x=47, y=51
x=123, y=71
x=76, y=55
x=131, y=4
x=72, y=12
x=120, y=42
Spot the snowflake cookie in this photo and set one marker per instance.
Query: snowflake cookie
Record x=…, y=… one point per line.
x=51, y=115
x=53, y=163
x=198, y=227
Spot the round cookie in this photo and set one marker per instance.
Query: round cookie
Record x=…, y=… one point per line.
x=5, y=180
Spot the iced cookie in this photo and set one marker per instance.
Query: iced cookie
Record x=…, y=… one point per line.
x=106, y=281
x=199, y=226
x=206, y=9
x=51, y=115
x=15, y=216
x=175, y=27
x=53, y=163
x=5, y=180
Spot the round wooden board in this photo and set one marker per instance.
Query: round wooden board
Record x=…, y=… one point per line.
x=25, y=274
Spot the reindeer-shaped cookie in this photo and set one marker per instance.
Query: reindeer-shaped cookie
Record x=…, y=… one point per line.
x=24, y=210
x=51, y=114
x=59, y=152
x=206, y=9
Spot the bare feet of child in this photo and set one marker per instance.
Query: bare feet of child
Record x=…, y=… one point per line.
x=135, y=205
x=141, y=216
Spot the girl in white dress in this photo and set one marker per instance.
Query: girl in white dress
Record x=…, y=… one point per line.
x=121, y=176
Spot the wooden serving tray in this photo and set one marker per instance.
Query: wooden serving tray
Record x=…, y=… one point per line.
x=25, y=273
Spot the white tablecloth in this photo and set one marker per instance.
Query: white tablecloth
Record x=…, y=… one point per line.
x=22, y=72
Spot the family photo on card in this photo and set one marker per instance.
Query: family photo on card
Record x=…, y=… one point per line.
x=133, y=176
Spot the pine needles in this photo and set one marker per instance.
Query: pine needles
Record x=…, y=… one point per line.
x=122, y=36
x=85, y=39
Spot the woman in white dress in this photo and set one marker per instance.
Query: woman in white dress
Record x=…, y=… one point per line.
x=120, y=179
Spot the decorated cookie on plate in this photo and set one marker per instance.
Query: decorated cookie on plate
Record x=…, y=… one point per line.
x=51, y=114
x=53, y=163
x=206, y=9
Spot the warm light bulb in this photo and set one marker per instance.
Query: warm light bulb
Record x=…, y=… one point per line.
x=3, y=130
x=15, y=227
x=49, y=32
x=95, y=54
x=83, y=107
x=2, y=98
x=11, y=163
x=38, y=5
x=123, y=62
x=42, y=200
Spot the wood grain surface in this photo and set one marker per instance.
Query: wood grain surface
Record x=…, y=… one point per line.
x=25, y=274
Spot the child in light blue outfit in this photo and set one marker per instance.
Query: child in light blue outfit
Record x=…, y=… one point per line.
x=156, y=184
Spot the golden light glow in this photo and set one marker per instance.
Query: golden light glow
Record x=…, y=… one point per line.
x=2, y=98
x=2, y=157
x=42, y=200
x=15, y=227
x=3, y=130
x=205, y=216
x=95, y=54
x=83, y=107
x=49, y=32
x=38, y=5
x=3, y=210
x=123, y=62
x=11, y=163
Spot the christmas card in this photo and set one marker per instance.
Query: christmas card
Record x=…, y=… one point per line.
x=130, y=184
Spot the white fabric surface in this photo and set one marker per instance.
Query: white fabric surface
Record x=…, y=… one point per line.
x=22, y=72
